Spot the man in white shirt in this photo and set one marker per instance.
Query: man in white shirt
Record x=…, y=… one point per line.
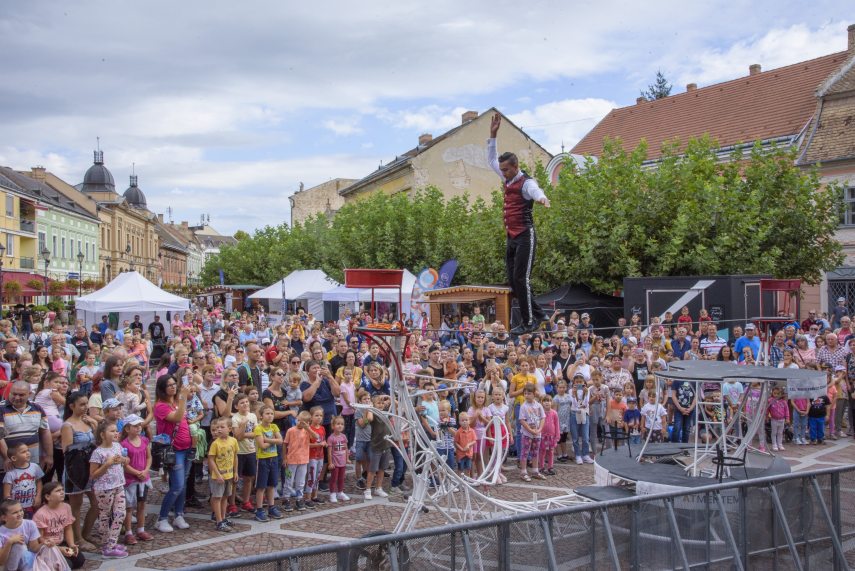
x=520, y=194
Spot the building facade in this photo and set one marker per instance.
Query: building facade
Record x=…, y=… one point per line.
x=17, y=225
x=128, y=238
x=455, y=162
x=324, y=198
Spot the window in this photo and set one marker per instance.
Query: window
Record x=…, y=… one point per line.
x=79, y=247
x=10, y=205
x=42, y=241
x=54, y=246
x=63, y=248
x=848, y=216
x=10, y=245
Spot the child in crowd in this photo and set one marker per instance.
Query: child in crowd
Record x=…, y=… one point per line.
x=222, y=468
x=316, y=457
x=464, y=445
x=267, y=438
x=563, y=404
x=598, y=398
x=581, y=417
x=347, y=398
x=654, y=420
x=778, y=411
x=752, y=409
x=108, y=482
x=20, y=537
x=293, y=394
x=505, y=434
x=361, y=438
x=479, y=416
x=50, y=398
x=531, y=425
x=817, y=416
x=337, y=459
x=23, y=482
x=632, y=420
x=446, y=429
x=800, y=420
x=86, y=372
x=380, y=454
x=137, y=479
x=297, y=460
x=548, y=436
x=54, y=521
x=59, y=363
x=614, y=414
x=243, y=427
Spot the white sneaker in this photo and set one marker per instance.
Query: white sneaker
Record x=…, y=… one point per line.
x=343, y=497
x=588, y=460
x=367, y=495
x=781, y=448
x=578, y=459
x=178, y=521
x=380, y=493
x=774, y=448
x=163, y=526
x=333, y=499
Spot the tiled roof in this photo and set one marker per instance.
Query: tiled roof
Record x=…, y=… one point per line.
x=831, y=135
x=46, y=194
x=770, y=104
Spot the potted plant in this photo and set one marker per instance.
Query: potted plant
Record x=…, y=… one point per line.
x=35, y=284
x=11, y=289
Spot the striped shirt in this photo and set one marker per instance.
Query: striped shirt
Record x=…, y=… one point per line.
x=712, y=346
x=23, y=426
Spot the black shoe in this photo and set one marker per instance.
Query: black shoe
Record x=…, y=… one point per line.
x=360, y=484
x=324, y=487
x=192, y=503
x=519, y=330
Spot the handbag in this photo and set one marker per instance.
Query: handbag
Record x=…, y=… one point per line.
x=163, y=453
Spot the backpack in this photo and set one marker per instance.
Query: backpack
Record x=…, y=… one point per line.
x=37, y=343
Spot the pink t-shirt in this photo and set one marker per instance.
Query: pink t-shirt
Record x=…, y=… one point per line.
x=54, y=521
x=182, y=437
x=349, y=390
x=138, y=456
x=338, y=449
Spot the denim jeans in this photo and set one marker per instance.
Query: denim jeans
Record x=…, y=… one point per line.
x=174, y=498
x=400, y=468
x=817, y=428
x=682, y=426
x=579, y=432
x=800, y=425
x=448, y=455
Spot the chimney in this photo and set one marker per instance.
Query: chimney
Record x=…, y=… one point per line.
x=160, y=218
x=691, y=86
x=424, y=139
x=851, y=30
x=39, y=173
x=640, y=100
x=754, y=69
x=468, y=116
x=184, y=224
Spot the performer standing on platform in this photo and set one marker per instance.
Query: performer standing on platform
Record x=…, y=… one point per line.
x=520, y=193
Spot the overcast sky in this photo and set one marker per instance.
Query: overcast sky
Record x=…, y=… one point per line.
x=225, y=107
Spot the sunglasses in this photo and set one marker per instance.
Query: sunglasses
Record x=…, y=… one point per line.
x=279, y=373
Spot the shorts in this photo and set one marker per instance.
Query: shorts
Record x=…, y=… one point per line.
x=223, y=490
x=379, y=460
x=361, y=450
x=246, y=465
x=464, y=464
x=268, y=473
x=135, y=493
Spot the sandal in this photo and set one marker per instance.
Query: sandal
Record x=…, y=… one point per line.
x=526, y=478
x=540, y=476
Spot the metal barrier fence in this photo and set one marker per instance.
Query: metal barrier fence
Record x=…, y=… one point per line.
x=796, y=521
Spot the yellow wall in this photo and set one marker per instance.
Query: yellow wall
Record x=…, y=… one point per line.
x=23, y=246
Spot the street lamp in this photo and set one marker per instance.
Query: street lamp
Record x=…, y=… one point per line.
x=46, y=258
x=80, y=257
x=2, y=253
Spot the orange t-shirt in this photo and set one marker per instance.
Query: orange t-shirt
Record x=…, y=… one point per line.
x=461, y=439
x=296, y=446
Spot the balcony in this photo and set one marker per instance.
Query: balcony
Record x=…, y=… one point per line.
x=28, y=226
x=28, y=264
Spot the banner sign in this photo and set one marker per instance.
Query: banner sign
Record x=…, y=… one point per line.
x=809, y=388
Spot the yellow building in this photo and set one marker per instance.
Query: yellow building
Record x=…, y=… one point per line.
x=18, y=238
x=128, y=237
x=454, y=162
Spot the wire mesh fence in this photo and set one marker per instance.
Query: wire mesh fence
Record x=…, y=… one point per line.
x=796, y=521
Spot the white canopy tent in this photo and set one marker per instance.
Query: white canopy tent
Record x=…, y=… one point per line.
x=382, y=295
x=129, y=294
x=302, y=286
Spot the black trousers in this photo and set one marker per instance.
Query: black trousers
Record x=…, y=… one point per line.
x=519, y=260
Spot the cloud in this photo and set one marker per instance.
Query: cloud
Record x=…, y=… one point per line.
x=343, y=127
x=562, y=122
x=776, y=48
x=428, y=119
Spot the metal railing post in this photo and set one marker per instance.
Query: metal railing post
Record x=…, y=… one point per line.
x=782, y=519
x=839, y=558
x=633, y=538
x=743, y=524
x=503, y=538
x=546, y=527
x=837, y=529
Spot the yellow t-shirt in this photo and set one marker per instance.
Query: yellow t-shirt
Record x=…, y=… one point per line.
x=271, y=431
x=224, y=452
x=518, y=382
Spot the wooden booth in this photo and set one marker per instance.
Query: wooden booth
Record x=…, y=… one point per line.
x=494, y=301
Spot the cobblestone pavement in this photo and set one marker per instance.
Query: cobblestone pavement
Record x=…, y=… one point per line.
x=340, y=522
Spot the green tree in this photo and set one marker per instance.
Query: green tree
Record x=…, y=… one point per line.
x=659, y=89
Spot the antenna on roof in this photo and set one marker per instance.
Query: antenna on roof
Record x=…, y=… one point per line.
x=169, y=211
x=562, y=147
x=209, y=219
x=97, y=143
x=134, y=168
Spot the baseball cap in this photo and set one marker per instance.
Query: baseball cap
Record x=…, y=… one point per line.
x=839, y=299
x=132, y=419
x=839, y=368
x=584, y=315
x=442, y=387
x=749, y=326
x=111, y=403
x=630, y=399
x=265, y=341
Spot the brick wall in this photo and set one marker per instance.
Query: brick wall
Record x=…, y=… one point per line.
x=318, y=199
